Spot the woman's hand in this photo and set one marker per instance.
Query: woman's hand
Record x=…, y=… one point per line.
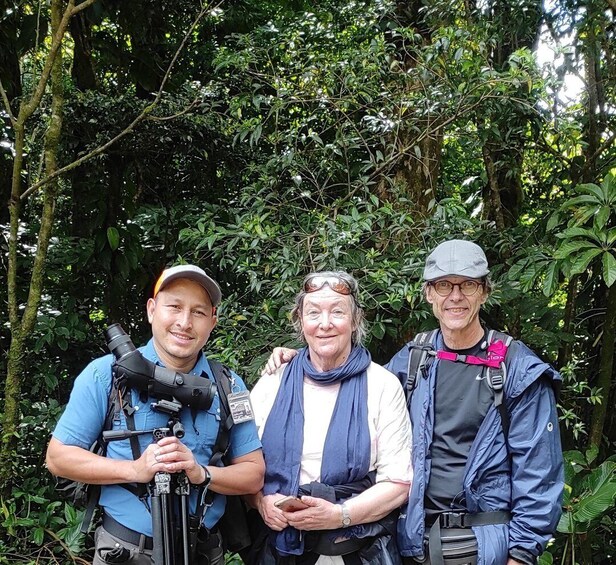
x=273, y=517
x=321, y=515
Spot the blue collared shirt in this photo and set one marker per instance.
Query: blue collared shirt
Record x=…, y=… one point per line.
x=84, y=417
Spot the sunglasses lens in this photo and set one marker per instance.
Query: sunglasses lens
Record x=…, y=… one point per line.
x=340, y=287
x=335, y=283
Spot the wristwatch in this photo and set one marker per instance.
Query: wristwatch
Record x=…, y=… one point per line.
x=346, y=516
x=208, y=478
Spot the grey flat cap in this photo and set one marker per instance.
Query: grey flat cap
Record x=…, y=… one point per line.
x=193, y=273
x=456, y=257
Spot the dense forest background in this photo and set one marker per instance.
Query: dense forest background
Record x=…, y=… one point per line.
x=262, y=140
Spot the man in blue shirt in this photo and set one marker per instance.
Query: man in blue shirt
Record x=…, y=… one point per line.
x=182, y=313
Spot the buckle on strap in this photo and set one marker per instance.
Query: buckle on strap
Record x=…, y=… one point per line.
x=497, y=380
x=452, y=520
x=466, y=520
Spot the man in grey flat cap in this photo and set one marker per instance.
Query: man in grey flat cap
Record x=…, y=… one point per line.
x=487, y=459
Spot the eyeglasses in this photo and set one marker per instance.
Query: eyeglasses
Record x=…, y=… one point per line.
x=337, y=284
x=445, y=287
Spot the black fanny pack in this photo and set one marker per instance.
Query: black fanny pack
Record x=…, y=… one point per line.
x=333, y=542
x=344, y=540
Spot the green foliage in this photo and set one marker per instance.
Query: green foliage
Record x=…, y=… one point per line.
x=33, y=521
x=576, y=395
x=292, y=123
x=589, y=498
x=595, y=208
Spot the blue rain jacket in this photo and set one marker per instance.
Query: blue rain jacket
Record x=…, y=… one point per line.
x=529, y=485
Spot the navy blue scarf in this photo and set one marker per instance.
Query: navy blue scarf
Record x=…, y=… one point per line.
x=283, y=434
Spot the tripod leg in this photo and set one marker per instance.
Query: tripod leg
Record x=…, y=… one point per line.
x=182, y=492
x=162, y=553
x=184, y=518
x=167, y=528
x=158, y=554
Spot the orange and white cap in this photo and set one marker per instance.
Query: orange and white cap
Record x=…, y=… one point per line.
x=193, y=273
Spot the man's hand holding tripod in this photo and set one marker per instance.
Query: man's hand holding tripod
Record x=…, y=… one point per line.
x=168, y=455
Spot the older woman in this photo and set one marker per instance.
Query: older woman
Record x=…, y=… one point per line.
x=335, y=433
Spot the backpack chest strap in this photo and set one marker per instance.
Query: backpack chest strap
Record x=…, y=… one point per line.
x=496, y=353
x=467, y=359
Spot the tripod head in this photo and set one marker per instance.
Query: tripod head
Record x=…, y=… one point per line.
x=132, y=369
x=174, y=427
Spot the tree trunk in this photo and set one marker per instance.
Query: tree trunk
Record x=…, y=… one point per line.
x=493, y=208
x=503, y=151
x=564, y=350
x=20, y=328
x=11, y=82
x=606, y=369
x=83, y=67
x=417, y=170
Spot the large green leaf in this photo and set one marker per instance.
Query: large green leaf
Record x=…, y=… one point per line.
x=592, y=189
x=571, y=248
x=574, y=456
x=576, y=201
x=581, y=232
x=575, y=463
x=591, y=453
x=553, y=222
x=567, y=524
x=528, y=276
x=582, y=215
x=550, y=282
x=599, y=477
x=609, y=268
x=113, y=237
x=595, y=505
x=602, y=217
x=609, y=187
x=581, y=262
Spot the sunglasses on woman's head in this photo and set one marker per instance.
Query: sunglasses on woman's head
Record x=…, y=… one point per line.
x=337, y=284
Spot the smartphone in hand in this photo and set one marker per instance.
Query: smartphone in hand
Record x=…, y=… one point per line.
x=290, y=504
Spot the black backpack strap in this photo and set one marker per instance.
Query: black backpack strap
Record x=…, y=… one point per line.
x=233, y=524
x=419, y=351
x=118, y=401
x=496, y=378
x=223, y=378
x=100, y=448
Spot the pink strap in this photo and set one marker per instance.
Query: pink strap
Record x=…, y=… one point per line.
x=496, y=355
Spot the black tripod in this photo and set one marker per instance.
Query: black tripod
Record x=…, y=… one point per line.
x=169, y=493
